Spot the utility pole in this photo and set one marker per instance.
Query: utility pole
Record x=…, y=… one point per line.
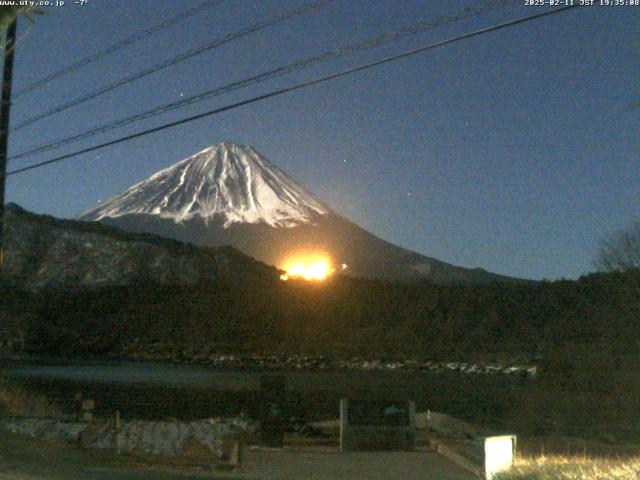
x=5, y=106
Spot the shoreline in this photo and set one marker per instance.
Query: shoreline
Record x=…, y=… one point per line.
x=286, y=363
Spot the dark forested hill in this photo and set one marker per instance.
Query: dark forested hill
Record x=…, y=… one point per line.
x=43, y=251
x=343, y=317
x=147, y=293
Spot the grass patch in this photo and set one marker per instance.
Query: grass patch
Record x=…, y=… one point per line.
x=560, y=467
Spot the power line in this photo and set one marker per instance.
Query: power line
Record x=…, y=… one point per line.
x=117, y=46
x=298, y=86
x=271, y=74
x=173, y=61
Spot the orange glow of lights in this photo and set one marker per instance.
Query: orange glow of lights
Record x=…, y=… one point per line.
x=311, y=268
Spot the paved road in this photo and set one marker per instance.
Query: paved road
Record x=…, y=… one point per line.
x=23, y=458
x=330, y=464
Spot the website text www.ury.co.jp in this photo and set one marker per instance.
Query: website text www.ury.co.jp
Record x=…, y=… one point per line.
x=40, y=3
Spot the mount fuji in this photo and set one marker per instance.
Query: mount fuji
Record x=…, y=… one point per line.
x=230, y=194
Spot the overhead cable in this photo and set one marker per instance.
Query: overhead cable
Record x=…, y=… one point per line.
x=173, y=61
x=296, y=87
x=329, y=55
x=116, y=46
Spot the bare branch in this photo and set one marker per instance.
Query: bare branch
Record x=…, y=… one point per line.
x=620, y=252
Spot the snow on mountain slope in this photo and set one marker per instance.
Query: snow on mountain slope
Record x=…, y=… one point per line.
x=229, y=194
x=228, y=181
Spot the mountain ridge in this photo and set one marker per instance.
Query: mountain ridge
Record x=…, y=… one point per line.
x=230, y=181
x=42, y=251
x=230, y=194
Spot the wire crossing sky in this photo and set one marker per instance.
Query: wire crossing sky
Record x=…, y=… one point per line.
x=514, y=151
x=117, y=46
x=292, y=88
x=171, y=62
x=268, y=75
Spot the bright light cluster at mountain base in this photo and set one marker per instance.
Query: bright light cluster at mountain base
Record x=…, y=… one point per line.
x=311, y=268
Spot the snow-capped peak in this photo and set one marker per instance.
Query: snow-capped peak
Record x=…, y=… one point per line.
x=229, y=181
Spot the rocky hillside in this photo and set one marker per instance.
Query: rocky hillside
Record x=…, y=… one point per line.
x=42, y=251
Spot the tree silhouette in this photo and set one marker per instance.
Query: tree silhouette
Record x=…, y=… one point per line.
x=620, y=252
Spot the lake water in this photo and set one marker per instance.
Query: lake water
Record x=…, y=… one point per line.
x=157, y=390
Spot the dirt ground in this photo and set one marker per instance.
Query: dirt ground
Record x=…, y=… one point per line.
x=24, y=458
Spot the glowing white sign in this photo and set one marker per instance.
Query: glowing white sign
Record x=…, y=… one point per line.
x=498, y=454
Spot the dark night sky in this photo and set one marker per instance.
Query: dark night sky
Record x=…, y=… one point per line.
x=514, y=151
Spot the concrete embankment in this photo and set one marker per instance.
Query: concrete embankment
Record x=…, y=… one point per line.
x=161, y=438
